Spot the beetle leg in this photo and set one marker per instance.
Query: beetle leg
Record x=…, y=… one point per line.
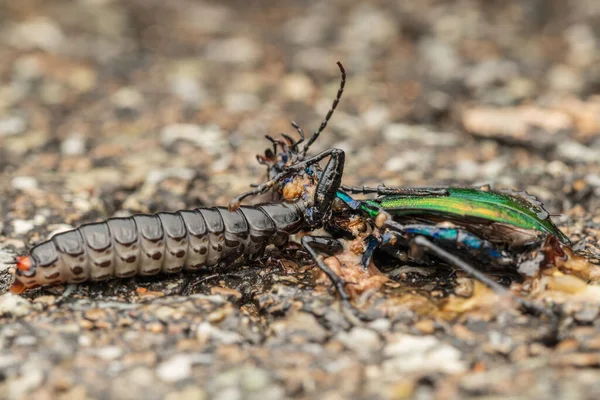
x=69, y=290
x=330, y=246
x=300, y=132
x=395, y=228
x=456, y=262
x=372, y=243
x=382, y=190
x=465, y=240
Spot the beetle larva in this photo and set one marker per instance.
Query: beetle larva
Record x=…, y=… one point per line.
x=150, y=244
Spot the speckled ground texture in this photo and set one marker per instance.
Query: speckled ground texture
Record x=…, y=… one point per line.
x=114, y=107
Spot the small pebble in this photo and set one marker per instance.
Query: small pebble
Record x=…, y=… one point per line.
x=587, y=315
x=205, y=332
x=362, y=341
x=21, y=227
x=12, y=126
x=109, y=352
x=297, y=87
x=411, y=354
x=565, y=79
x=74, y=145
x=32, y=377
x=37, y=33
x=128, y=98
x=175, y=369
x=24, y=183
x=240, y=50
x=208, y=137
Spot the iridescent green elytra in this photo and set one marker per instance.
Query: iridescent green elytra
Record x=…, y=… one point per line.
x=466, y=202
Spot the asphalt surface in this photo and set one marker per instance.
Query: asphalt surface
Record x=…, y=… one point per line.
x=113, y=107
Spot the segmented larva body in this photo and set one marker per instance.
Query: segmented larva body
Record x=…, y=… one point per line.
x=150, y=244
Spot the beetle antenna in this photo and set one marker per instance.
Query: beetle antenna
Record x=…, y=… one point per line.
x=273, y=142
x=316, y=134
x=300, y=132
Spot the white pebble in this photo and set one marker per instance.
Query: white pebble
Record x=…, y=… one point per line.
x=577, y=152
x=206, y=332
x=208, y=137
x=409, y=353
x=12, y=126
x=376, y=117
x=158, y=175
x=21, y=226
x=128, y=98
x=14, y=305
x=441, y=60
x=593, y=180
x=297, y=87
x=175, y=369
x=109, y=352
x=362, y=341
x=39, y=32
x=188, y=89
x=31, y=377
x=240, y=102
x=24, y=183
x=238, y=50
x=565, y=79
x=74, y=145
x=399, y=133
x=407, y=160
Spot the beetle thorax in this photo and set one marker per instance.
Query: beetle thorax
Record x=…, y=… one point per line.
x=301, y=186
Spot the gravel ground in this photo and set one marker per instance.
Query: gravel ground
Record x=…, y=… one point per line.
x=111, y=107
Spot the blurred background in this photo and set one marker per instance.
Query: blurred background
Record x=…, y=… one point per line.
x=148, y=105
x=109, y=107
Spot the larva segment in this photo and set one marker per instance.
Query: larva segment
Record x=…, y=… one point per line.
x=236, y=237
x=216, y=240
x=197, y=239
x=72, y=264
x=99, y=250
x=286, y=218
x=152, y=244
x=126, y=247
x=175, y=236
x=261, y=229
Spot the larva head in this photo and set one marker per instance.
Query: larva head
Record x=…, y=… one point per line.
x=24, y=271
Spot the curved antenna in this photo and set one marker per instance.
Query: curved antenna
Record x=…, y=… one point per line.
x=300, y=132
x=316, y=134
